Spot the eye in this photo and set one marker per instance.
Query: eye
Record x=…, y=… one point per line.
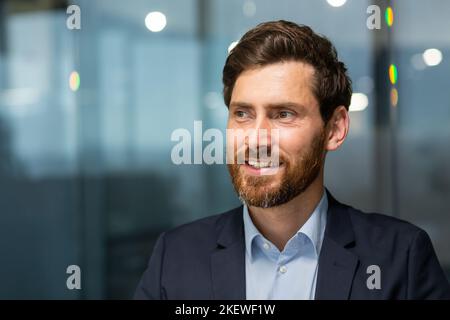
x=240, y=114
x=285, y=114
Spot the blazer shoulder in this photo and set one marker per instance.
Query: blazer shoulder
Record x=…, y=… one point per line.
x=382, y=228
x=376, y=219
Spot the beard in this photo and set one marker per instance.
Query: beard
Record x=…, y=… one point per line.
x=297, y=176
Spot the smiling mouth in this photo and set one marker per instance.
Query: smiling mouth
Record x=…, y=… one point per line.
x=262, y=164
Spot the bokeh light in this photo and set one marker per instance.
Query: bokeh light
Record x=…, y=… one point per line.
x=394, y=97
x=432, y=57
x=389, y=16
x=232, y=45
x=336, y=3
x=249, y=8
x=74, y=81
x=359, y=102
x=155, y=21
x=417, y=62
x=393, y=75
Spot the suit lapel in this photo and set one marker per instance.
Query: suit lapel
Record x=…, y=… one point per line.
x=337, y=268
x=337, y=264
x=228, y=260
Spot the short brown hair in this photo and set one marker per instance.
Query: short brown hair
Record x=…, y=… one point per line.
x=278, y=41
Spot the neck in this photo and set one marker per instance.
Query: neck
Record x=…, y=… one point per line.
x=278, y=224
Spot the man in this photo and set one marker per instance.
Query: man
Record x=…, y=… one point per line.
x=291, y=239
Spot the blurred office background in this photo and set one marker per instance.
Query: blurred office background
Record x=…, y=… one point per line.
x=86, y=118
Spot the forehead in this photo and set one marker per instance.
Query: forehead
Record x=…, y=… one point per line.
x=290, y=81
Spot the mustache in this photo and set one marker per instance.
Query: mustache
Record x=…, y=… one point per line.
x=260, y=153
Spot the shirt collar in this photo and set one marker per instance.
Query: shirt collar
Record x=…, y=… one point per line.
x=313, y=228
x=250, y=231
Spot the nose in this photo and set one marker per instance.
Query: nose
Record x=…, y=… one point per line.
x=263, y=131
x=258, y=138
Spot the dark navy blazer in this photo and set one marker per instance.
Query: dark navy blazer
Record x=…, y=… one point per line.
x=205, y=259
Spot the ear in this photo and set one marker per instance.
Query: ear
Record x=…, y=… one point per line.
x=337, y=128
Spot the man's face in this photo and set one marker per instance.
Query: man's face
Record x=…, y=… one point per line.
x=277, y=96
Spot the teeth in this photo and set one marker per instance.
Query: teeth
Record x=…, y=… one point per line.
x=259, y=164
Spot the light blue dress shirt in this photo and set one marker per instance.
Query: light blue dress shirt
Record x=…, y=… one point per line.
x=292, y=273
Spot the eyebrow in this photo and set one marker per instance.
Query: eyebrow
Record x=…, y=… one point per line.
x=277, y=105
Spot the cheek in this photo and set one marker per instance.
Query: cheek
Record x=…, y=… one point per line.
x=293, y=142
x=230, y=124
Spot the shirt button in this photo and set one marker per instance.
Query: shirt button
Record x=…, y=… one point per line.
x=266, y=246
x=283, y=269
